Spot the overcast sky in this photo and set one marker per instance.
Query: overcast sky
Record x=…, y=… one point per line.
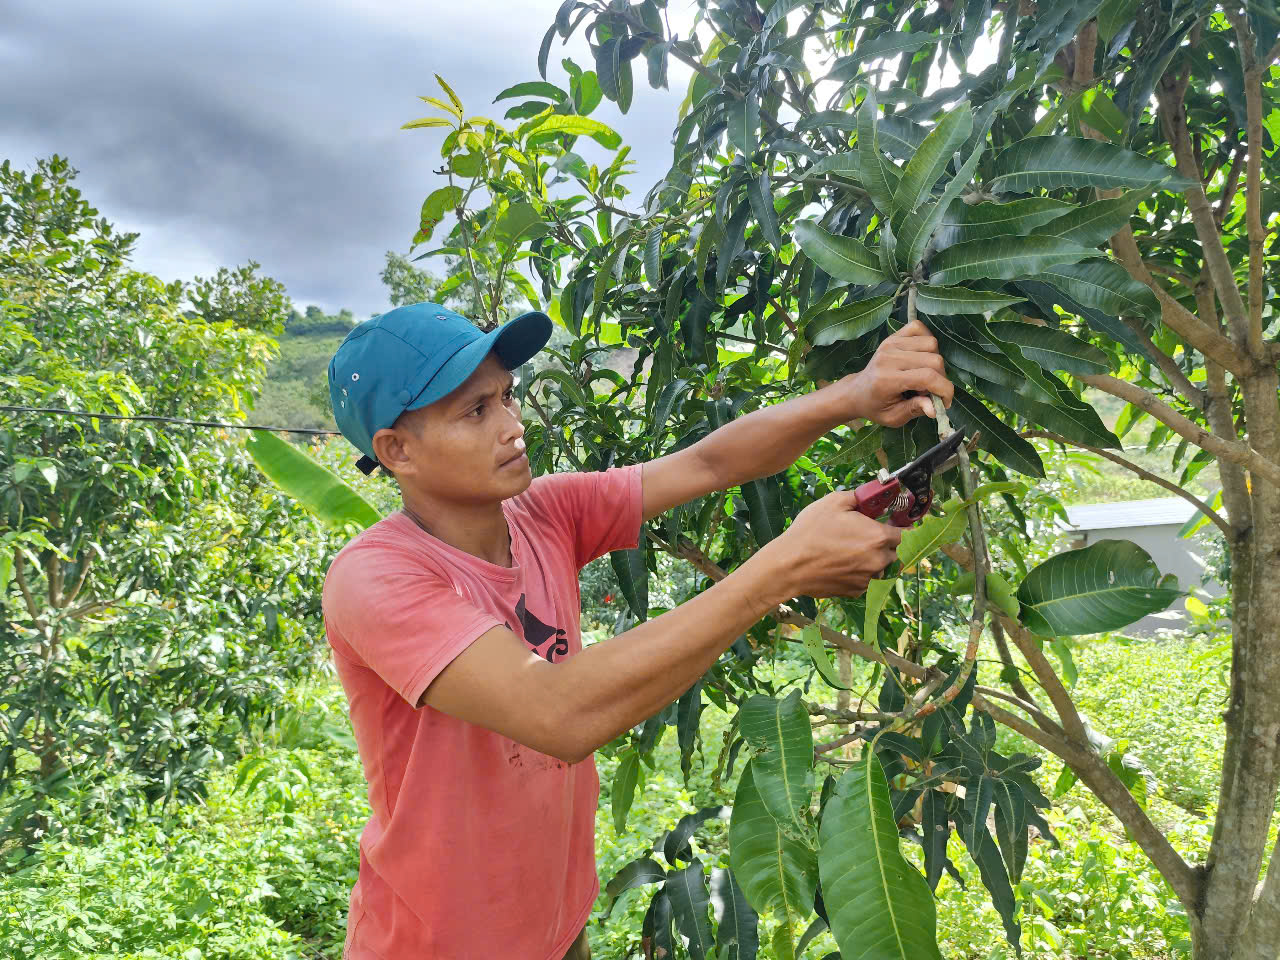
x=227, y=131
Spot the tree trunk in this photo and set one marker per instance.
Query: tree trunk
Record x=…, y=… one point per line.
x=1238, y=918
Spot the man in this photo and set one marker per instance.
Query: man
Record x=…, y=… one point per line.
x=454, y=622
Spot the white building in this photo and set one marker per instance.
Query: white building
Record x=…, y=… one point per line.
x=1153, y=525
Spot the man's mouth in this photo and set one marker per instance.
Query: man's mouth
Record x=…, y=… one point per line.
x=521, y=457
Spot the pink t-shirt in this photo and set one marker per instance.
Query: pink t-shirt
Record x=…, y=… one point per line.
x=478, y=847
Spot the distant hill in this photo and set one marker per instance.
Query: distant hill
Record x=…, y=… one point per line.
x=296, y=391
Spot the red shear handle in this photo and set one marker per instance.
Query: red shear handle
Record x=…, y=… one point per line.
x=874, y=497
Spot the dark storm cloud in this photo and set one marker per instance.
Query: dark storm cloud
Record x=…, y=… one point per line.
x=230, y=131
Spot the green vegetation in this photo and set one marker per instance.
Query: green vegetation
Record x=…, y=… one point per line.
x=262, y=869
x=295, y=391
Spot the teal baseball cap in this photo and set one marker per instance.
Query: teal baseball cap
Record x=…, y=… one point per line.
x=412, y=356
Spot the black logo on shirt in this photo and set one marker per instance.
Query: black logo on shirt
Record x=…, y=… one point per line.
x=536, y=633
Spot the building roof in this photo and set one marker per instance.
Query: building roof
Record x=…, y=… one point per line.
x=1131, y=513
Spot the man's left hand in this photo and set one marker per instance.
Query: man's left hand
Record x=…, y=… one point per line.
x=906, y=361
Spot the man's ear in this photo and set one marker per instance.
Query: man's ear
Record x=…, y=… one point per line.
x=389, y=448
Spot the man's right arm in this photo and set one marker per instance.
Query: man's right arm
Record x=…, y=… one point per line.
x=568, y=709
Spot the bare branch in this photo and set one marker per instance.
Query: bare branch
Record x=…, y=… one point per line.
x=1144, y=474
x=1168, y=366
x=1234, y=451
x=1253, y=70
x=1006, y=658
x=1174, y=118
x=1176, y=317
x=1063, y=705
x=1042, y=719
x=19, y=574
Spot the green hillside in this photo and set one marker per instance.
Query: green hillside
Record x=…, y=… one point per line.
x=296, y=392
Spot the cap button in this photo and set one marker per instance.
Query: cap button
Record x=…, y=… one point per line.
x=403, y=397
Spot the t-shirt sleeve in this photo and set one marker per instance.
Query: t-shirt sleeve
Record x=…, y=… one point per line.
x=404, y=622
x=596, y=511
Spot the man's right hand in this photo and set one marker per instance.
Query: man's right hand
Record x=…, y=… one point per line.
x=831, y=550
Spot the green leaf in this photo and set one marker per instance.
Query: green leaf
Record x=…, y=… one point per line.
x=879, y=177
x=780, y=731
x=637, y=873
x=1002, y=258
x=737, y=934
x=811, y=637
x=849, y=322
x=936, y=828
x=928, y=163
x=1103, y=285
x=623, y=791
x=880, y=45
x=943, y=301
x=1052, y=162
x=931, y=534
x=857, y=447
x=676, y=846
x=764, y=506
x=632, y=570
x=1071, y=417
x=533, y=88
x=438, y=203
x=1051, y=348
x=453, y=97
x=317, y=488
x=520, y=223
x=426, y=122
x=986, y=855
x=879, y=906
x=6, y=566
x=760, y=194
x=877, y=593
x=999, y=591
x=575, y=126
x=843, y=257
x=777, y=871
x=50, y=474
x=687, y=891
x=1104, y=586
x=921, y=224
x=980, y=221
x=743, y=117
x=653, y=256
x=1093, y=223
x=995, y=436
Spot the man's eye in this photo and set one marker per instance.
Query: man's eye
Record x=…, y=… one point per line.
x=479, y=410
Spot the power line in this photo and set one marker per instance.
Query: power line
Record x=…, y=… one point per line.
x=85, y=414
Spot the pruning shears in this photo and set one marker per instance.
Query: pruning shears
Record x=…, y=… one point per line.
x=908, y=491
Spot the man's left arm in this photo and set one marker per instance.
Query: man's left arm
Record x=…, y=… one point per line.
x=769, y=440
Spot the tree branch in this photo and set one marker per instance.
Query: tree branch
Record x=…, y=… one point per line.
x=1144, y=474
x=1111, y=791
x=1253, y=69
x=19, y=574
x=1063, y=705
x=1168, y=366
x=1174, y=118
x=1088, y=766
x=1176, y=317
x=1234, y=451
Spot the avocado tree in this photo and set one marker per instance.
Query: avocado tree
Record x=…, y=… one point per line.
x=1091, y=210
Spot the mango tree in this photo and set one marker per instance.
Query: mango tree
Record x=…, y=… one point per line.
x=151, y=587
x=1091, y=210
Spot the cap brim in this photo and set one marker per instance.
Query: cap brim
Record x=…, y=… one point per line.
x=514, y=343
x=522, y=338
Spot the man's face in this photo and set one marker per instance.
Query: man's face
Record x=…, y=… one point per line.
x=467, y=447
